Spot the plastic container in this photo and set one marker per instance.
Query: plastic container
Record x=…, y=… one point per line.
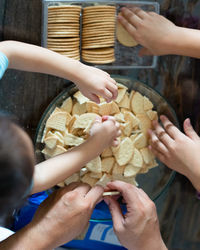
x=126, y=57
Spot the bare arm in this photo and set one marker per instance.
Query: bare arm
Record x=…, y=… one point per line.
x=91, y=81
x=57, y=169
x=158, y=35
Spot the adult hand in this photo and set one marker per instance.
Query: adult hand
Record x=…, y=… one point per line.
x=65, y=214
x=138, y=229
x=177, y=150
x=60, y=218
x=154, y=32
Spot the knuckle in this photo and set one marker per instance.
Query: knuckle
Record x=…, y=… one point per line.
x=151, y=206
x=118, y=229
x=172, y=147
x=152, y=13
x=101, y=89
x=86, y=206
x=70, y=196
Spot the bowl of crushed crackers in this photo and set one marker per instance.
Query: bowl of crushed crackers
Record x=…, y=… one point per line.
x=67, y=121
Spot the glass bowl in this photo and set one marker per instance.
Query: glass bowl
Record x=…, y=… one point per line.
x=156, y=181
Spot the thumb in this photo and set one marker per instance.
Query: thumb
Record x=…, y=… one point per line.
x=115, y=211
x=189, y=131
x=145, y=52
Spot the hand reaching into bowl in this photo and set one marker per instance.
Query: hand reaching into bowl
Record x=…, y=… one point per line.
x=177, y=150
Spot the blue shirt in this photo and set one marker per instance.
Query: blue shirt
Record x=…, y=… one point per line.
x=3, y=64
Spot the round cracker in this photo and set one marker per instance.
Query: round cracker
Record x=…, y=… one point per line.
x=62, y=21
x=99, y=7
x=99, y=35
x=71, y=50
x=102, y=21
x=61, y=35
x=63, y=39
x=63, y=43
x=99, y=61
x=124, y=37
x=99, y=51
x=71, y=25
x=98, y=15
x=62, y=48
x=93, y=46
x=98, y=27
x=76, y=14
x=71, y=7
x=105, y=40
x=99, y=57
x=63, y=27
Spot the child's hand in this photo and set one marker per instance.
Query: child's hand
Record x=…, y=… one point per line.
x=177, y=150
x=93, y=82
x=106, y=130
x=154, y=32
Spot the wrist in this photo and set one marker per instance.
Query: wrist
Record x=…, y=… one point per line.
x=174, y=41
x=71, y=70
x=97, y=143
x=185, y=42
x=38, y=237
x=195, y=180
x=150, y=244
x=77, y=72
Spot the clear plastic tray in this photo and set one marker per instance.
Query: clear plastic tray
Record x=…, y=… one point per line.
x=126, y=57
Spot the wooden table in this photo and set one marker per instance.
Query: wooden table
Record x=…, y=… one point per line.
x=27, y=95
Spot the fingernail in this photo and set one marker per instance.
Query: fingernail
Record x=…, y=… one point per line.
x=188, y=123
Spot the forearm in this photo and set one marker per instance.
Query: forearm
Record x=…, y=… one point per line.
x=30, y=238
x=185, y=42
x=151, y=244
x=57, y=169
x=33, y=58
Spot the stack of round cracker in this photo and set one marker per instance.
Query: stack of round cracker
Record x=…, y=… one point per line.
x=64, y=30
x=98, y=34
